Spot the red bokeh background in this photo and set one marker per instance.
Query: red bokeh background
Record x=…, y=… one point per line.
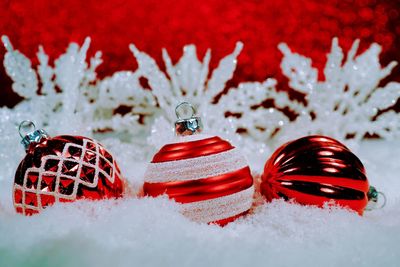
x=306, y=26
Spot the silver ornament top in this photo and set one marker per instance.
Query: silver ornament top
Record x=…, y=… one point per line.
x=32, y=135
x=187, y=123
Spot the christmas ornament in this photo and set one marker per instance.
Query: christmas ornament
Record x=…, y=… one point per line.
x=206, y=174
x=63, y=169
x=316, y=169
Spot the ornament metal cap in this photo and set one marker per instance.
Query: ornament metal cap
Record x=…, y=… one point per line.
x=32, y=136
x=373, y=199
x=187, y=123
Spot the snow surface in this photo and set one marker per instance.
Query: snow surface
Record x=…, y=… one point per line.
x=151, y=232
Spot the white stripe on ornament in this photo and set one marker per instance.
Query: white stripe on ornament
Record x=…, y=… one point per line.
x=195, y=168
x=216, y=209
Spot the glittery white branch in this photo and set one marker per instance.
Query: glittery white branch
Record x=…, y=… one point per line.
x=18, y=67
x=45, y=72
x=223, y=73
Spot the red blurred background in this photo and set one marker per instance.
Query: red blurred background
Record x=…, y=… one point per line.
x=306, y=26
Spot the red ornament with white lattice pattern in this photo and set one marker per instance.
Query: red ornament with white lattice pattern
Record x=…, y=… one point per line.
x=63, y=169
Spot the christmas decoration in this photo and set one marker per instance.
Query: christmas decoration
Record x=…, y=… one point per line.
x=205, y=173
x=250, y=115
x=350, y=97
x=317, y=169
x=63, y=169
x=123, y=112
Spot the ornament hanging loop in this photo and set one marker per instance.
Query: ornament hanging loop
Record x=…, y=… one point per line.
x=187, y=123
x=32, y=136
x=24, y=125
x=384, y=200
x=181, y=109
x=373, y=199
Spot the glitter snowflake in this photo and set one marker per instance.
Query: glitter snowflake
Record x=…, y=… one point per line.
x=348, y=104
x=69, y=91
x=222, y=114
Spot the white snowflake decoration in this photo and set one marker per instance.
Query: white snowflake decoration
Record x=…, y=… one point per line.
x=49, y=106
x=347, y=105
x=188, y=82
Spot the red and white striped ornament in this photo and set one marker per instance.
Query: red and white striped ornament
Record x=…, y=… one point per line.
x=206, y=174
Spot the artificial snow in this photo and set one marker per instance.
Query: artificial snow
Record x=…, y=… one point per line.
x=152, y=232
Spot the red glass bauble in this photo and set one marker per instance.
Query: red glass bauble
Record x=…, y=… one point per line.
x=63, y=169
x=316, y=169
x=206, y=174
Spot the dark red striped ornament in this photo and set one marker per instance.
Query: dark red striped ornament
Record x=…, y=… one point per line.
x=205, y=174
x=314, y=170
